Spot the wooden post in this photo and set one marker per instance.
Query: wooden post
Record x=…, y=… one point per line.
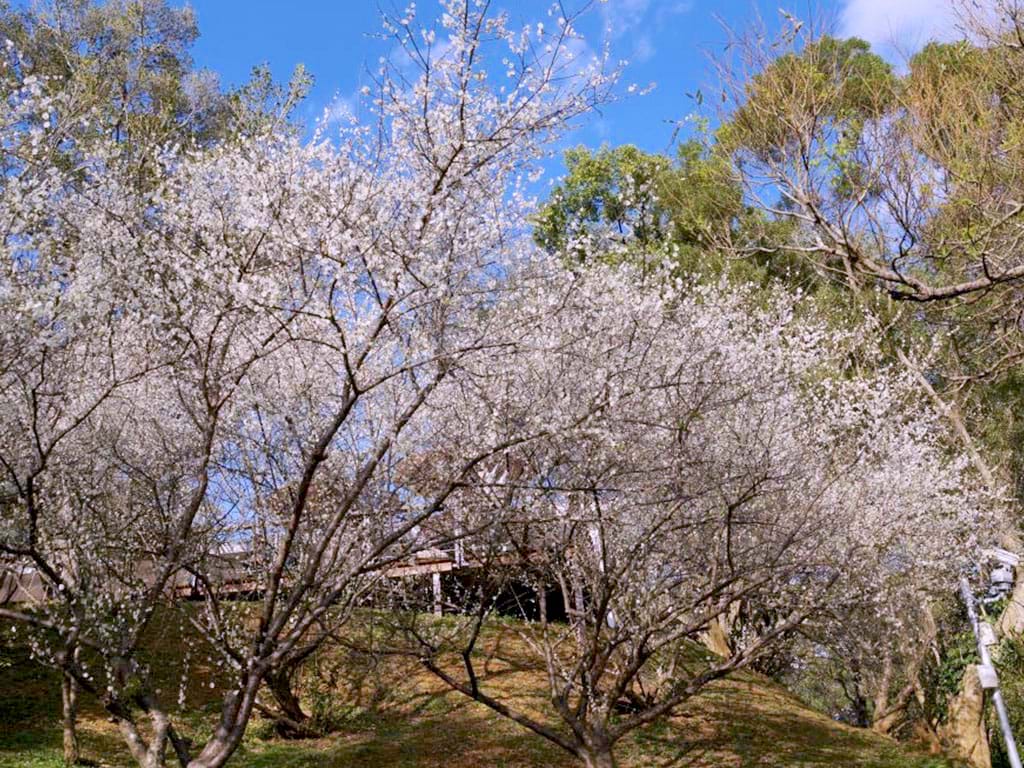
x=436, y=579
x=579, y=607
x=460, y=550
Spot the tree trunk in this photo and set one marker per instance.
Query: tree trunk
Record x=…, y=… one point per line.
x=596, y=748
x=861, y=711
x=598, y=758
x=579, y=606
x=885, y=724
x=964, y=734
x=234, y=717
x=296, y=725
x=69, y=712
x=716, y=639
x=883, y=715
x=1011, y=623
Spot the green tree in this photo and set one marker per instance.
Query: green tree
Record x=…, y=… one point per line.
x=126, y=62
x=907, y=186
x=608, y=196
x=123, y=71
x=687, y=212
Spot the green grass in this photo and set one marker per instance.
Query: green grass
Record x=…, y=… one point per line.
x=745, y=721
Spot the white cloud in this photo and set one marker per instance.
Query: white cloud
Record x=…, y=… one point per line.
x=643, y=50
x=632, y=19
x=668, y=9
x=621, y=16
x=899, y=25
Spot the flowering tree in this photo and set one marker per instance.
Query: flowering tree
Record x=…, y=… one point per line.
x=741, y=468
x=902, y=182
x=193, y=367
x=903, y=188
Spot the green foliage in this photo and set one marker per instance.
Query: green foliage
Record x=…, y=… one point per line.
x=959, y=651
x=621, y=204
x=125, y=68
x=263, y=104
x=611, y=189
x=963, y=109
x=125, y=62
x=703, y=201
x=931, y=192
x=840, y=81
x=955, y=96
x=995, y=609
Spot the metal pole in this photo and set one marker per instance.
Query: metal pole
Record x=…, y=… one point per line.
x=986, y=660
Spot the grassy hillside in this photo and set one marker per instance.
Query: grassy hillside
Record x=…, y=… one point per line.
x=745, y=721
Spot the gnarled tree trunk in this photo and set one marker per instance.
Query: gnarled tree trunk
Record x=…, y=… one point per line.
x=964, y=735
x=295, y=722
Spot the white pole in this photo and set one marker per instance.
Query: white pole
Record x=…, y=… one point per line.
x=435, y=580
x=986, y=661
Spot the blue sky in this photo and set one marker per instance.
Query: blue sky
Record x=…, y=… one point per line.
x=667, y=42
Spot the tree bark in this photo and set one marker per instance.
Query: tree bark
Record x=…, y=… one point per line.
x=600, y=757
x=964, y=734
x=69, y=714
x=280, y=687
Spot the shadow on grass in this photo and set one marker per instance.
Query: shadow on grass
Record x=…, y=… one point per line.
x=747, y=721
x=461, y=738
x=737, y=723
